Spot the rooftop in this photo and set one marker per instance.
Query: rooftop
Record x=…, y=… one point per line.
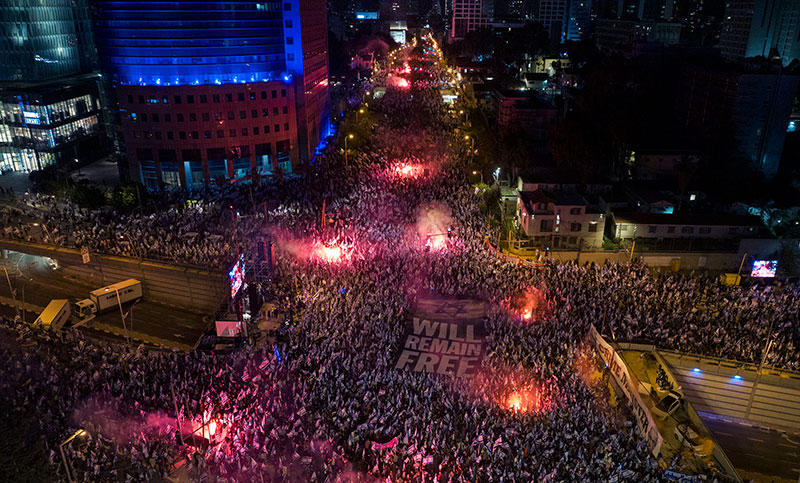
x=705, y=219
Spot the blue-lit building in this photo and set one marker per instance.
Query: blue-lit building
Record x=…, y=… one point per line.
x=50, y=103
x=215, y=90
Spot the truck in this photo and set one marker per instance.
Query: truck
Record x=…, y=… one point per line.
x=55, y=315
x=105, y=298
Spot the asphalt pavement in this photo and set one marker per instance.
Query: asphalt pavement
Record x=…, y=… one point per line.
x=34, y=279
x=757, y=453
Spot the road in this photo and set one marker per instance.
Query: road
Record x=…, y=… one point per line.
x=152, y=321
x=757, y=453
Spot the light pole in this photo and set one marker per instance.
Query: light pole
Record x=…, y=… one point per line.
x=471, y=145
x=360, y=111
x=496, y=175
x=349, y=136
x=480, y=173
x=122, y=316
x=13, y=295
x=45, y=230
x=24, y=311
x=741, y=265
x=67, y=466
x=131, y=312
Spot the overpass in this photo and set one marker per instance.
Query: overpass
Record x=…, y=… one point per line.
x=736, y=390
x=176, y=285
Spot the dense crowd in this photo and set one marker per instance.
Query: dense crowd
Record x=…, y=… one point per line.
x=404, y=225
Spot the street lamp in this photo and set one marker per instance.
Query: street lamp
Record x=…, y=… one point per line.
x=496, y=175
x=13, y=294
x=24, y=311
x=78, y=433
x=471, y=145
x=349, y=136
x=360, y=111
x=480, y=173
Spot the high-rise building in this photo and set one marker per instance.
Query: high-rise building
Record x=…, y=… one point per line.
x=754, y=101
x=579, y=16
x=768, y=28
x=553, y=16
x=467, y=16
x=49, y=98
x=645, y=9
x=45, y=40
x=215, y=90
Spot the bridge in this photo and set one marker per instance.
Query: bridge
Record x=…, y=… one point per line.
x=170, y=284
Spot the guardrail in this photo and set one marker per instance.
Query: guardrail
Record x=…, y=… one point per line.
x=720, y=362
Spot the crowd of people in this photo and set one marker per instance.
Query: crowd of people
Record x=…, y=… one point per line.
x=400, y=224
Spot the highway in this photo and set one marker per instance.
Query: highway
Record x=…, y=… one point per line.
x=152, y=321
x=757, y=453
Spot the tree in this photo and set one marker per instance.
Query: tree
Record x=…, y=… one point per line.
x=87, y=195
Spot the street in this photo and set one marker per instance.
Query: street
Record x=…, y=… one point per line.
x=757, y=453
x=152, y=322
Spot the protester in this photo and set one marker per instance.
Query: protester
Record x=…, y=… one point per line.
x=400, y=224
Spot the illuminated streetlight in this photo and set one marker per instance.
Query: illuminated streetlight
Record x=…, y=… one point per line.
x=79, y=433
x=480, y=173
x=349, y=136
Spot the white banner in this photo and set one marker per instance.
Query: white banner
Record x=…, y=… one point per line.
x=628, y=385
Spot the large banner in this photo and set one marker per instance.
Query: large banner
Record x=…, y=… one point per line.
x=628, y=385
x=445, y=336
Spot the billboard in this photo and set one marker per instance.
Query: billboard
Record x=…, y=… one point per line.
x=236, y=277
x=228, y=328
x=764, y=268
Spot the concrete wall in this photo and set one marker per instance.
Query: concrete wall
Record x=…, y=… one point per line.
x=200, y=290
x=713, y=261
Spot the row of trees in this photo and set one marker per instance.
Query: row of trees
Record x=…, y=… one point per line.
x=53, y=180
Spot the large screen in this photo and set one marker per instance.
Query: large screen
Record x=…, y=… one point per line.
x=764, y=268
x=236, y=277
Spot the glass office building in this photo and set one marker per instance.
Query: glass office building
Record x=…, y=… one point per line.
x=45, y=122
x=43, y=40
x=49, y=98
x=191, y=42
x=214, y=90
